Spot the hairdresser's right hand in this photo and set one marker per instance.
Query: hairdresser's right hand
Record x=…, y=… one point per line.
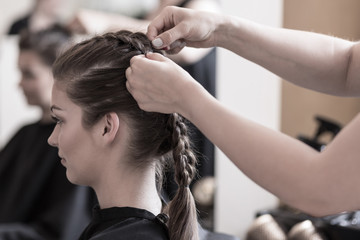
x=160, y=85
x=176, y=27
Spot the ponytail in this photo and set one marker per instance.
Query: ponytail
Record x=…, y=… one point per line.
x=183, y=223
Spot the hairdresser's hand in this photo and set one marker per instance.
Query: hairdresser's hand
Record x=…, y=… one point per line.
x=159, y=85
x=176, y=27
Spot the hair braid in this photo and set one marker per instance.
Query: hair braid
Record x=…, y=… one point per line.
x=135, y=41
x=182, y=210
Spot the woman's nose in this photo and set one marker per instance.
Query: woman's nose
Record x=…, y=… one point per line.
x=52, y=140
x=21, y=83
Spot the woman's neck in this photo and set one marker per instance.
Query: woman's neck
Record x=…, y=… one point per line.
x=129, y=188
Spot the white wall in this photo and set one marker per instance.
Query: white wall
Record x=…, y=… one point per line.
x=255, y=93
x=245, y=87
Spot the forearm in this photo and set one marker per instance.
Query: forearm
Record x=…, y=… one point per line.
x=300, y=176
x=310, y=60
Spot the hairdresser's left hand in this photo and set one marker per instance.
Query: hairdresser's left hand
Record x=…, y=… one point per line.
x=158, y=84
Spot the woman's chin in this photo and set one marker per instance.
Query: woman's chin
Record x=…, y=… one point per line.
x=74, y=180
x=71, y=178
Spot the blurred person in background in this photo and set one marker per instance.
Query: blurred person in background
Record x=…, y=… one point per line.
x=37, y=201
x=44, y=14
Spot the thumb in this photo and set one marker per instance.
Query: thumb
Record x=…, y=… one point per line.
x=155, y=56
x=166, y=38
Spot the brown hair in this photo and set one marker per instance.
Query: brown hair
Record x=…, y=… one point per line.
x=93, y=73
x=46, y=43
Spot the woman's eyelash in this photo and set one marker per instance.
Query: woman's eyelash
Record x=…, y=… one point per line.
x=56, y=120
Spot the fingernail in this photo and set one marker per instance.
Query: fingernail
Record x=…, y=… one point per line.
x=157, y=42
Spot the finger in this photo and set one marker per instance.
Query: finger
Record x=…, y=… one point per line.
x=169, y=37
x=159, y=23
x=152, y=32
x=128, y=73
x=155, y=56
x=176, y=48
x=177, y=44
x=156, y=26
x=128, y=86
x=135, y=58
x=129, y=80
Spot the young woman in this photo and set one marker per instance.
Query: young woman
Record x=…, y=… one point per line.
x=36, y=200
x=107, y=142
x=199, y=63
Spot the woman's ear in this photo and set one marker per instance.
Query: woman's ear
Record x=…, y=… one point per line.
x=111, y=126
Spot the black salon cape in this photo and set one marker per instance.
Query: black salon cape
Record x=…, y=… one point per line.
x=35, y=196
x=124, y=223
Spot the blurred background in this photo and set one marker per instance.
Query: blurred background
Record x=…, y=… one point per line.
x=246, y=88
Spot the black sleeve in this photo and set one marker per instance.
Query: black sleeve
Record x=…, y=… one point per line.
x=17, y=231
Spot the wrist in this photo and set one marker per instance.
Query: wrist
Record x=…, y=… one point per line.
x=222, y=30
x=190, y=101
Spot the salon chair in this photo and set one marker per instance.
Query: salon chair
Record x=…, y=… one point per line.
x=325, y=126
x=343, y=226
x=266, y=227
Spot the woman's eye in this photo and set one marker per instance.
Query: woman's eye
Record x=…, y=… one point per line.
x=56, y=120
x=28, y=75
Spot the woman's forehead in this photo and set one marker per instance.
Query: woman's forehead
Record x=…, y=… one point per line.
x=28, y=57
x=60, y=100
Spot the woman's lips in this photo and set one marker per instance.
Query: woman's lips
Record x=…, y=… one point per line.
x=63, y=161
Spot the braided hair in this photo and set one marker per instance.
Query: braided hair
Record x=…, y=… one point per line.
x=93, y=75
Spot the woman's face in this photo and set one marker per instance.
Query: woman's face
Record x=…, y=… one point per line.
x=36, y=79
x=79, y=148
